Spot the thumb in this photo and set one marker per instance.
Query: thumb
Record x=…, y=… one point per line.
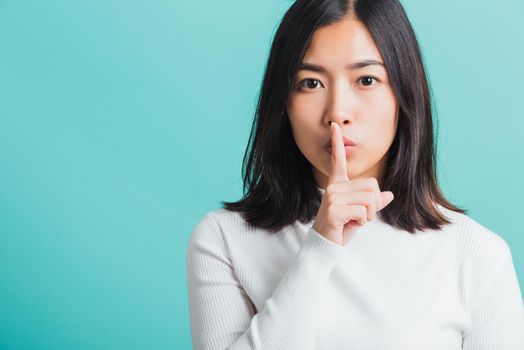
x=387, y=197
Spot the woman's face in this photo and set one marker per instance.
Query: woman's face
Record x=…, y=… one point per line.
x=359, y=99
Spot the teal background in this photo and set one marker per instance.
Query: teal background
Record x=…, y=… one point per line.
x=123, y=122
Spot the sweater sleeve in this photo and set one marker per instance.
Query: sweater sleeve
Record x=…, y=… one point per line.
x=497, y=315
x=222, y=315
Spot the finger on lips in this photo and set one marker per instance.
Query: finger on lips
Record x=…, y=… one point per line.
x=338, y=156
x=339, y=166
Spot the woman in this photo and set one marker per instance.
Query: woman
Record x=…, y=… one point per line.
x=316, y=255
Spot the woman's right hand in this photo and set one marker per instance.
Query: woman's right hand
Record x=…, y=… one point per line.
x=347, y=204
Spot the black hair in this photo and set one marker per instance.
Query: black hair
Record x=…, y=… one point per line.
x=279, y=186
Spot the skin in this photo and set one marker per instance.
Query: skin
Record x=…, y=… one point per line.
x=356, y=103
x=347, y=204
x=359, y=100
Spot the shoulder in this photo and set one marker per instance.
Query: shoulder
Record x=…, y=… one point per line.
x=223, y=220
x=481, y=253
x=475, y=238
x=215, y=227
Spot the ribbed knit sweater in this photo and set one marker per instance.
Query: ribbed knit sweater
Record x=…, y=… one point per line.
x=448, y=289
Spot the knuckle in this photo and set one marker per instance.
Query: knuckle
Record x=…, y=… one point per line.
x=373, y=203
x=330, y=199
x=363, y=219
x=330, y=211
x=374, y=182
x=330, y=188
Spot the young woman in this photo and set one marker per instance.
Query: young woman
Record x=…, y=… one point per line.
x=343, y=239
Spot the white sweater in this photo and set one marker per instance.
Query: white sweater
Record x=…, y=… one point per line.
x=386, y=289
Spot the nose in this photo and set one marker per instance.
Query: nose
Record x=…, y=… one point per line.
x=339, y=109
x=339, y=121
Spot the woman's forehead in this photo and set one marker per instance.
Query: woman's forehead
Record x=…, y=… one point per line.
x=342, y=43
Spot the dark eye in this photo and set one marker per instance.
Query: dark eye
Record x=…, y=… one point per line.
x=311, y=83
x=367, y=80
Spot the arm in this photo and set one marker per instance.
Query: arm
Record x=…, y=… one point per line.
x=222, y=316
x=497, y=315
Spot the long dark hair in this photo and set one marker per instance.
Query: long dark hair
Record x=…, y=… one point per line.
x=279, y=186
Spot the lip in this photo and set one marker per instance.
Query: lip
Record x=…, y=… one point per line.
x=347, y=142
x=349, y=149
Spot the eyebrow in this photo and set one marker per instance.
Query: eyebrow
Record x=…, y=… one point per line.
x=352, y=66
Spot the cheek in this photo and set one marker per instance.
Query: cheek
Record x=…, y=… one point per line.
x=381, y=128
x=384, y=106
x=303, y=117
x=381, y=101
x=303, y=106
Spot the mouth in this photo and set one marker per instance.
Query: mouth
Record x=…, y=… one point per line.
x=347, y=142
x=348, y=148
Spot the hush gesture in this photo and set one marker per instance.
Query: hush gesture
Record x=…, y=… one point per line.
x=347, y=204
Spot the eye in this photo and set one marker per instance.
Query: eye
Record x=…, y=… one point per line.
x=367, y=80
x=311, y=83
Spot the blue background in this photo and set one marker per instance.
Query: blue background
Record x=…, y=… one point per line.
x=123, y=122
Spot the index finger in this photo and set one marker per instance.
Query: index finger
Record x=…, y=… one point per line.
x=338, y=156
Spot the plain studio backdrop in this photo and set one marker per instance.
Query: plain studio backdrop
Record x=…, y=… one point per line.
x=123, y=122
